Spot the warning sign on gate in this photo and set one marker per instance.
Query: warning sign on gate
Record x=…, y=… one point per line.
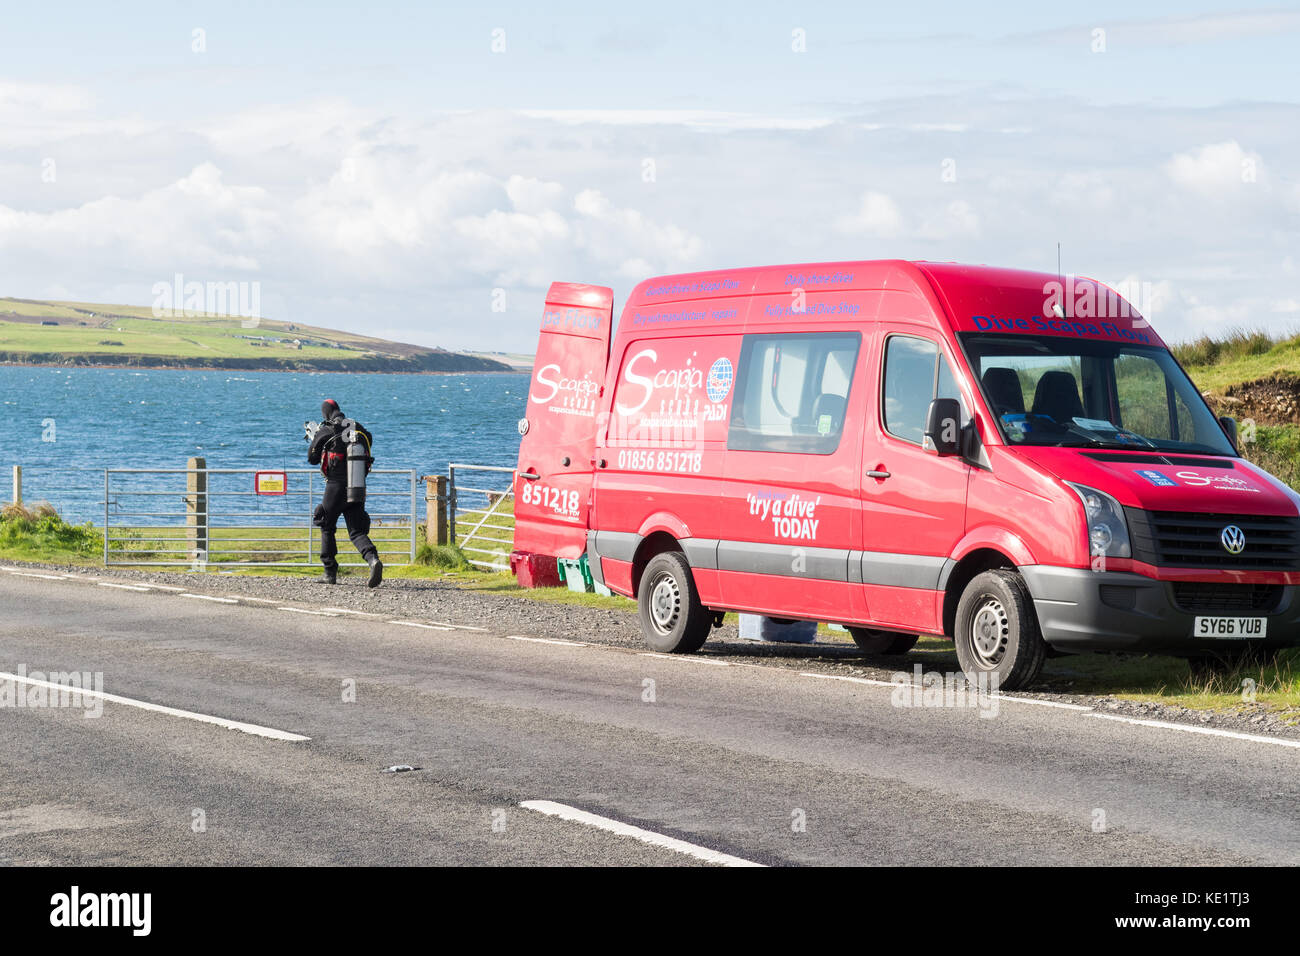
x=271, y=482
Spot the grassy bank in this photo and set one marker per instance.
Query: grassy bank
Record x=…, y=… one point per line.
x=39, y=534
x=1237, y=356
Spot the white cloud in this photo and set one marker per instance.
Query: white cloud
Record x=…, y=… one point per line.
x=1216, y=168
x=367, y=220
x=877, y=215
x=1174, y=31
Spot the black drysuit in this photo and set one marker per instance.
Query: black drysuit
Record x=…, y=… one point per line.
x=328, y=451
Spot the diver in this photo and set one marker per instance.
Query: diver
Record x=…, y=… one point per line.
x=338, y=445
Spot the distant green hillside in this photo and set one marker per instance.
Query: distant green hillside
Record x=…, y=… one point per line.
x=1255, y=378
x=85, y=334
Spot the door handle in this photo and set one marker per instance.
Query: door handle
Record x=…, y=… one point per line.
x=530, y=476
x=874, y=473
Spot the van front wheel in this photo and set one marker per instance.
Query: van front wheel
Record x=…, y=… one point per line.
x=672, y=619
x=997, y=631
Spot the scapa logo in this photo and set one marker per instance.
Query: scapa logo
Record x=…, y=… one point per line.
x=684, y=379
x=574, y=394
x=74, y=908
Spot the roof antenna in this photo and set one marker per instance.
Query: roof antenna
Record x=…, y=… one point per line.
x=1056, y=308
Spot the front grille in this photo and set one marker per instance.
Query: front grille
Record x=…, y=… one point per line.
x=1199, y=597
x=1178, y=539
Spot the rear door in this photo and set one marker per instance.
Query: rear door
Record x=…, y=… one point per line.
x=553, y=478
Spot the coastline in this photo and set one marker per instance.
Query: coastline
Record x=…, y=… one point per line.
x=153, y=363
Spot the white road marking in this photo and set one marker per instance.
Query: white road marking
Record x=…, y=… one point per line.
x=544, y=640
x=343, y=610
x=684, y=658
x=165, y=587
x=430, y=627
x=461, y=627
x=300, y=610
x=997, y=697
x=124, y=587
x=209, y=597
x=255, y=729
x=856, y=680
x=245, y=597
x=1208, y=731
x=47, y=577
x=573, y=814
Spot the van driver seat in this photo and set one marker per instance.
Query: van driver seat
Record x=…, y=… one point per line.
x=1057, y=397
x=830, y=404
x=1002, y=386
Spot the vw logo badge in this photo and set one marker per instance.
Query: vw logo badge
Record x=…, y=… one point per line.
x=523, y=426
x=1234, y=539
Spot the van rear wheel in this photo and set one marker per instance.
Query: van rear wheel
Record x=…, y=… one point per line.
x=997, y=633
x=882, y=642
x=672, y=619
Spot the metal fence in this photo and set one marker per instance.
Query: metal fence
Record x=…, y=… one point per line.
x=484, y=530
x=213, y=517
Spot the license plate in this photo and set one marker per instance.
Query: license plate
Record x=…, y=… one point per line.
x=1241, y=628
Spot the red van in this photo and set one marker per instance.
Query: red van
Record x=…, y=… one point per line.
x=1011, y=459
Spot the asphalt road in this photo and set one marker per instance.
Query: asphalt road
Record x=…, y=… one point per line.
x=758, y=761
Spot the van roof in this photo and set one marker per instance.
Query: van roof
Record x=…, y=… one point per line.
x=976, y=297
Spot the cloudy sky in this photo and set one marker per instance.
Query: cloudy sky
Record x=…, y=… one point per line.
x=384, y=167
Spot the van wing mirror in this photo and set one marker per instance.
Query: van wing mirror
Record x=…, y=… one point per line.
x=943, y=427
x=1230, y=429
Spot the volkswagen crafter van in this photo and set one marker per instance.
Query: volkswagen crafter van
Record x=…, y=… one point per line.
x=1011, y=459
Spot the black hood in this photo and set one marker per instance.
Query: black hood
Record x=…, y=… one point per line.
x=329, y=410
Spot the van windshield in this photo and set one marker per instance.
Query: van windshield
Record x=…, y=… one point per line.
x=1054, y=390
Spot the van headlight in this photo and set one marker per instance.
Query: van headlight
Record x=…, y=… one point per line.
x=1107, y=527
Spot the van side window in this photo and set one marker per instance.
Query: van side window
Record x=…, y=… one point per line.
x=915, y=373
x=792, y=392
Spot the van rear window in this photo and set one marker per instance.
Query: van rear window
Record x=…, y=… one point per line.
x=792, y=392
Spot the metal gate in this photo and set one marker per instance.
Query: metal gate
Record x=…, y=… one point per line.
x=210, y=518
x=485, y=531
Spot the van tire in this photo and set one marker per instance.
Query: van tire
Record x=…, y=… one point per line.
x=882, y=642
x=672, y=619
x=997, y=630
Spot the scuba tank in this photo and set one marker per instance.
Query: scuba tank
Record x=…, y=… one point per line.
x=358, y=463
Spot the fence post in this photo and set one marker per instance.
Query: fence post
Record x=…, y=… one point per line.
x=435, y=510
x=451, y=504
x=18, y=484
x=311, y=513
x=196, y=509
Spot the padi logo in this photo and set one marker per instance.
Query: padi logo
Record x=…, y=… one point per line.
x=575, y=394
x=720, y=377
x=1233, y=539
x=72, y=909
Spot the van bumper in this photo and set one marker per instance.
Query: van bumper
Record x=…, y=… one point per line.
x=1084, y=610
